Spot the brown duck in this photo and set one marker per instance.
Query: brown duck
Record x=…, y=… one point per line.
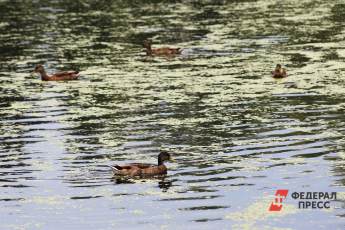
x=279, y=72
x=141, y=169
x=60, y=76
x=164, y=51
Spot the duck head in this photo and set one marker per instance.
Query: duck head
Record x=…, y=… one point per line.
x=278, y=67
x=163, y=156
x=147, y=44
x=39, y=69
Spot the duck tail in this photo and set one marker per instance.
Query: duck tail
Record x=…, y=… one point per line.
x=115, y=167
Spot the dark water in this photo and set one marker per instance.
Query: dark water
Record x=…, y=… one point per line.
x=236, y=134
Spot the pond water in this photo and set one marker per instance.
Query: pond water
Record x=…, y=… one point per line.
x=236, y=134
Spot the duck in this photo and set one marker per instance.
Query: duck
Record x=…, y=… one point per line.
x=60, y=76
x=164, y=51
x=279, y=72
x=142, y=169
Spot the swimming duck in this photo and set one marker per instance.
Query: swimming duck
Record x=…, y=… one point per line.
x=141, y=169
x=60, y=76
x=279, y=72
x=160, y=51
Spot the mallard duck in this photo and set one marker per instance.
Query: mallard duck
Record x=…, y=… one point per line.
x=141, y=169
x=279, y=72
x=160, y=51
x=60, y=76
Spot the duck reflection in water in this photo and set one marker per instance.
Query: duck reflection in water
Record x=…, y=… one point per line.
x=163, y=182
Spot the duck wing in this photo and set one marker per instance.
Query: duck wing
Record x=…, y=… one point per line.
x=166, y=51
x=63, y=76
x=279, y=74
x=123, y=167
x=126, y=170
x=65, y=73
x=142, y=165
x=155, y=170
x=139, y=169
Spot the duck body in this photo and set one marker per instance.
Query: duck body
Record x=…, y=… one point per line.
x=164, y=51
x=137, y=170
x=140, y=169
x=60, y=76
x=279, y=72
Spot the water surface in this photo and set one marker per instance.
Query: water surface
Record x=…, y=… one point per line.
x=236, y=134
